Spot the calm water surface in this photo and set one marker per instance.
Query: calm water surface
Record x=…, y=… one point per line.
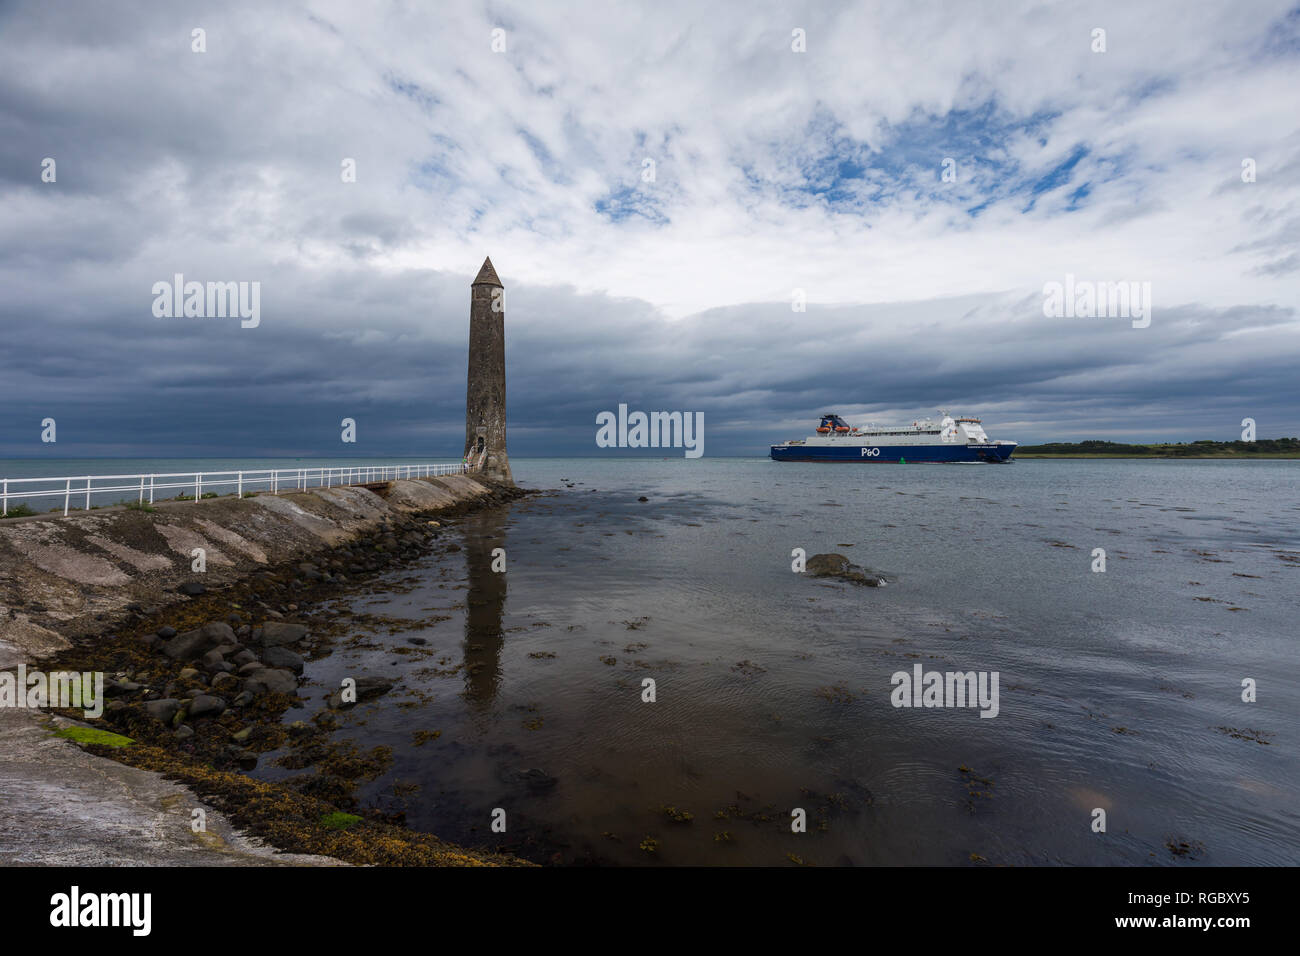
x=1118, y=690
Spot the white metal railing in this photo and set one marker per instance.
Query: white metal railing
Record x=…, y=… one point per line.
x=274, y=480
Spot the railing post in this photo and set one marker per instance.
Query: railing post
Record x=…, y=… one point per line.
x=240, y=485
x=151, y=489
x=4, y=508
x=88, y=492
x=67, y=496
x=140, y=500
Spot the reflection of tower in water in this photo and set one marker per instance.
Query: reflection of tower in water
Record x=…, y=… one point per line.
x=484, y=606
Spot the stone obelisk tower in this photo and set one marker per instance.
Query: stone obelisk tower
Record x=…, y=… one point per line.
x=485, y=393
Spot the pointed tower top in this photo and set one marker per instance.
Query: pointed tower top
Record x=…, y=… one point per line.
x=487, y=275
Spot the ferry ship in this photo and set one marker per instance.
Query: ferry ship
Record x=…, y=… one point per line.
x=951, y=440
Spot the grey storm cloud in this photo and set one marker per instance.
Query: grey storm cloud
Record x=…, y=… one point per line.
x=666, y=294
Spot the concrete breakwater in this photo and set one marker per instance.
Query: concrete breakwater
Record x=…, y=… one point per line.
x=200, y=667
x=78, y=575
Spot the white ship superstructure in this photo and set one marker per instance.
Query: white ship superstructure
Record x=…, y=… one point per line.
x=949, y=440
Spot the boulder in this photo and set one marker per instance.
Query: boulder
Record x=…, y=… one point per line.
x=277, y=633
x=368, y=687
x=270, y=680
x=283, y=657
x=838, y=566
x=163, y=710
x=244, y=759
x=205, y=705
x=194, y=644
x=120, y=688
x=219, y=632
x=372, y=686
x=187, y=646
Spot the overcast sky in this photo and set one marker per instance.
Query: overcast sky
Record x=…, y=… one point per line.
x=773, y=171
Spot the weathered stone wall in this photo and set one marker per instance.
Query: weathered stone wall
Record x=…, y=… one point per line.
x=62, y=577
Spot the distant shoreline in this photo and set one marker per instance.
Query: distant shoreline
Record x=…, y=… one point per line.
x=1137, y=457
x=1205, y=449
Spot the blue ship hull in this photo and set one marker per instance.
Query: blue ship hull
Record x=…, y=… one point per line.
x=918, y=454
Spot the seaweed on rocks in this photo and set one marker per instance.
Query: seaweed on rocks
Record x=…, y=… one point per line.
x=199, y=690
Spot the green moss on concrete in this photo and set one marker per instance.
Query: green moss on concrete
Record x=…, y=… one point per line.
x=88, y=735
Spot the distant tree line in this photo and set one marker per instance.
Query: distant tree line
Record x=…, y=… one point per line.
x=1196, y=449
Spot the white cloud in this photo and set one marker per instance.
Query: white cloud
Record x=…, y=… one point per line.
x=226, y=164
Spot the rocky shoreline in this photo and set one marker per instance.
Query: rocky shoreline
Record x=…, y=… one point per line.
x=197, y=688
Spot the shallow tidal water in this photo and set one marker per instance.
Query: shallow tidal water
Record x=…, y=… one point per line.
x=1119, y=690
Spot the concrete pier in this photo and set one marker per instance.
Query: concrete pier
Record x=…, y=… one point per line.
x=62, y=577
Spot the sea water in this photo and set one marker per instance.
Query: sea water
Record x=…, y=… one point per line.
x=1121, y=735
